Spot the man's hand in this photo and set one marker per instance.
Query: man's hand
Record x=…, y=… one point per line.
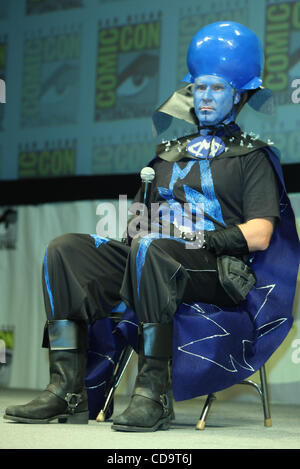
x=229, y=241
x=240, y=240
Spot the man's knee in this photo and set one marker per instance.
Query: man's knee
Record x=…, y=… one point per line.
x=140, y=247
x=62, y=245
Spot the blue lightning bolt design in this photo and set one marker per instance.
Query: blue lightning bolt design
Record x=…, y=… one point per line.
x=217, y=332
x=208, y=199
x=205, y=347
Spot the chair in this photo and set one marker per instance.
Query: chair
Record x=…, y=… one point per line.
x=119, y=370
x=262, y=390
x=200, y=425
x=123, y=358
x=195, y=313
x=106, y=364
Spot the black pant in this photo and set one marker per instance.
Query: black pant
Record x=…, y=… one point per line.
x=85, y=277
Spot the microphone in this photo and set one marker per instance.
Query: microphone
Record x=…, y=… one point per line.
x=147, y=175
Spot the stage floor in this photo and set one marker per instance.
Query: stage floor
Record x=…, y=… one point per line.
x=230, y=425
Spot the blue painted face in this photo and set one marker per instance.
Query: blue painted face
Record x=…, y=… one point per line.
x=214, y=99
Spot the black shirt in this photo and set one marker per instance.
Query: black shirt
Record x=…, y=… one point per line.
x=233, y=189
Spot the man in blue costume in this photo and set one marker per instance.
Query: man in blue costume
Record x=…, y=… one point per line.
x=232, y=176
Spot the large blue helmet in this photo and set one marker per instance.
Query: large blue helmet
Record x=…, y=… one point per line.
x=229, y=50
x=226, y=49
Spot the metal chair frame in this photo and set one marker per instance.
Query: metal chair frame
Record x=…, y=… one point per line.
x=119, y=370
x=115, y=381
x=262, y=390
x=124, y=360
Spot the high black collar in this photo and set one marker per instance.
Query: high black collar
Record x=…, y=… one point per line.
x=237, y=143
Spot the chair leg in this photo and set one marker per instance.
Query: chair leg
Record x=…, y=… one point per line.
x=118, y=373
x=200, y=425
x=263, y=392
x=265, y=397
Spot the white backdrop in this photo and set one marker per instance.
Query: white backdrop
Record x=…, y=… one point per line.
x=22, y=314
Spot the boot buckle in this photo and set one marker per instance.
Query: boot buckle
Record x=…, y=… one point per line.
x=165, y=403
x=73, y=400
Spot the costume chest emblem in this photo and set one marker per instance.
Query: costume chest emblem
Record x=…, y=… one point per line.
x=206, y=147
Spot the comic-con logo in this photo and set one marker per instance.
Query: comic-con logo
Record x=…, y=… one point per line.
x=127, y=70
x=282, y=49
x=51, y=71
x=109, y=157
x=48, y=160
x=35, y=7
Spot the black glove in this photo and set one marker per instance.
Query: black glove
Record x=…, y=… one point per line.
x=230, y=241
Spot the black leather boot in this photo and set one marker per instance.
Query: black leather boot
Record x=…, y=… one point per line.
x=65, y=397
x=150, y=408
